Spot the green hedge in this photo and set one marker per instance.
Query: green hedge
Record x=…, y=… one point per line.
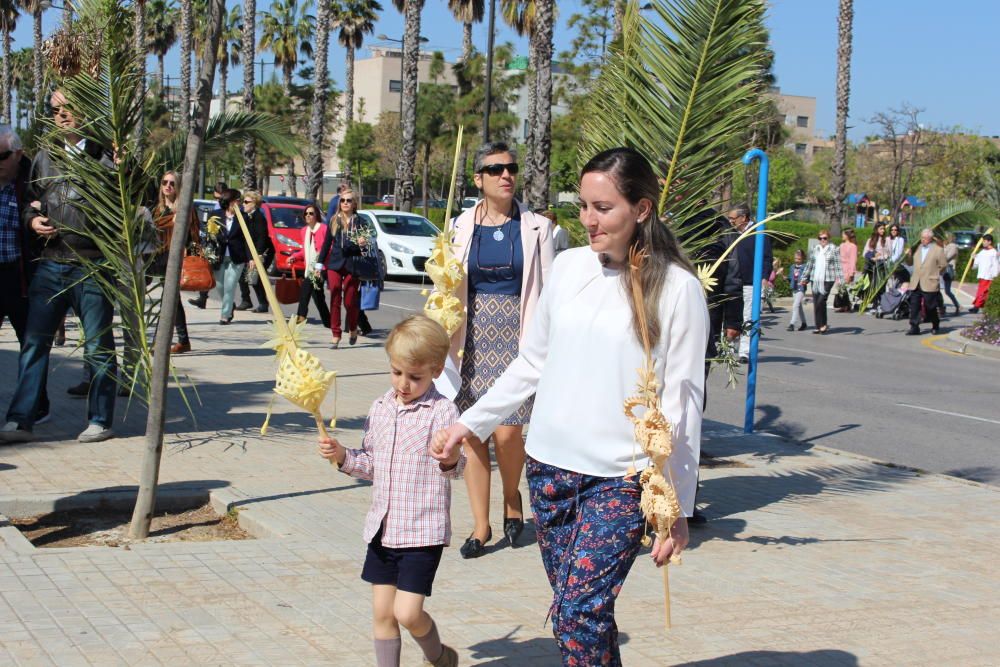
x=991, y=309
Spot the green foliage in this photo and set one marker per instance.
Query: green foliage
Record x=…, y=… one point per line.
x=991, y=309
x=358, y=150
x=786, y=181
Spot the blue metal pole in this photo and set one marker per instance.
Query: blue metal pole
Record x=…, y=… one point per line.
x=758, y=266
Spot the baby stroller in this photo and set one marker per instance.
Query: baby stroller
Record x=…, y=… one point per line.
x=894, y=301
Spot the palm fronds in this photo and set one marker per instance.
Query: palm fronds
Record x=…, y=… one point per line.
x=682, y=88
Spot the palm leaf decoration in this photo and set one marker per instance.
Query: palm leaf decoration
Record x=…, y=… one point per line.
x=115, y=186
x=682, y=87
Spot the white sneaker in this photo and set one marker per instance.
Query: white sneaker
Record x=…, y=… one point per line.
x=12, y=432
x=95, y=433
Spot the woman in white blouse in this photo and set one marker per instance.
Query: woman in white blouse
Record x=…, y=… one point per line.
x=580, y=358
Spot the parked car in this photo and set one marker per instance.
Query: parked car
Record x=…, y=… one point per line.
x=203, y=208
x=404, y=240
x=966, y=238
x=285, y=221
x=431, y=203
x=469, y=202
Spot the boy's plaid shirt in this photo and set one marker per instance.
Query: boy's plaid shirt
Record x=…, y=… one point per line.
x=411, y=496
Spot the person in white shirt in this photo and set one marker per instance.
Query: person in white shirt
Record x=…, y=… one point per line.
x=987, y=265
x=897, y=244
x=579, y=358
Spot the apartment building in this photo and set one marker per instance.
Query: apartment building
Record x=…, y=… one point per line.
x=799, y=113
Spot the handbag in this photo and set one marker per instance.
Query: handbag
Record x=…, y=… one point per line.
x=196, y=274
x=370, y=294
x=288, y=289
x=366, y=266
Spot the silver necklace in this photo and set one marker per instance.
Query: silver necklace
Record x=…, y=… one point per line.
x=498, y=234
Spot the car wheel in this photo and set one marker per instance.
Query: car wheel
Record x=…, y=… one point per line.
x=383, y=267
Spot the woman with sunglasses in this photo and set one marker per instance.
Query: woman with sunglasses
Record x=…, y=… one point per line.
x=313, y=238
x=823, y=270
x=232, y=252
x=507, y=251
x=897, y=244
x=257, y=225
x=163, y=218
x=877, y=252
x=345, y=242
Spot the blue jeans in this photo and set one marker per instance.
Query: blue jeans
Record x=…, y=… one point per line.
x=227, y=278
x=55, y=288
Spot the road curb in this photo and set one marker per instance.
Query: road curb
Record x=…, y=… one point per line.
x=956, y=342
x=24, y=506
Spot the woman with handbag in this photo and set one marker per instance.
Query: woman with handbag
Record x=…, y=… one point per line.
x=507, y=251
x=313, y=237
x=163, y=218
x=257, y=225
x=231, y=251
x=849, y=265
x=346, y=241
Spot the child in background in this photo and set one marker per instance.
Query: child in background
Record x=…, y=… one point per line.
x=768, y=286
x=409, y=522
x=795, y=278
x=987, y=265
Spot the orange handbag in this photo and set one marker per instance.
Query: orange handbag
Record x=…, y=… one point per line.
x=196, y=274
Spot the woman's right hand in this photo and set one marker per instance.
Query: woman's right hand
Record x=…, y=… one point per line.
x=444, y=442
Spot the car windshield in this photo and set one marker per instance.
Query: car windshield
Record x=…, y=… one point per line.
x=406, y=225
x=287, y=217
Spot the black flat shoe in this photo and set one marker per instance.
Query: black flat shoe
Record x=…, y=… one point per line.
x=198, y=303
x=802, y=327
x=474, y=547
x=512, y=528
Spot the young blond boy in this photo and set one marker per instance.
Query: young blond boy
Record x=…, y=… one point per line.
x=409, y=522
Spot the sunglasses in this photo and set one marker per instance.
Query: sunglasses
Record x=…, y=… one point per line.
x=170, y=183
x=249, y=201
x=310, y=213
x=824, y=238
x=5, y=155
x=346, y=201
x=498, y=169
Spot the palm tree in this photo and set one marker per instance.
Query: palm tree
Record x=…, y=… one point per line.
x=187, y=39
x=541, y=130
x=520, y=15
x=248, y=39
x=35, y=8
x=8, y=21
x=353, y=21
x=285, y=30
x=838, y=184
x=139, y=40
x=314, y=163
x=230, y=44
x=411, y=53
x=161, y=34
x=468, y=12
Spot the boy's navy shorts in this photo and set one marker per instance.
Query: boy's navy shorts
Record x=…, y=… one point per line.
x=411, y=569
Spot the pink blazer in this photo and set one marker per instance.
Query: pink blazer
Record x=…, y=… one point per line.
x=848, y=260
x=539, y=251
x=318, y=237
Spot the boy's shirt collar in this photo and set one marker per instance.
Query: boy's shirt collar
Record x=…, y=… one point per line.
x=427, y=399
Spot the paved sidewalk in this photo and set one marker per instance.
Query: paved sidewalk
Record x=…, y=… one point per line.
x=811, y=557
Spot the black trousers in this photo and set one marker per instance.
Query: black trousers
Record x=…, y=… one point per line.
x=14, y=308
x=819, y=304
x=931, y=302
x=318, y=296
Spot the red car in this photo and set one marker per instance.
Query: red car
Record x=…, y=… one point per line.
x=285, y=222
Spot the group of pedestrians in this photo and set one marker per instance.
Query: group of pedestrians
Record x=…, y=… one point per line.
x=550, y=341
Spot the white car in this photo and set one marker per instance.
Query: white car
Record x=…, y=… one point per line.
x=404, y=240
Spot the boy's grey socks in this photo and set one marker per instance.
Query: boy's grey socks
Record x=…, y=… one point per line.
x=430, y=643
x=387, y=652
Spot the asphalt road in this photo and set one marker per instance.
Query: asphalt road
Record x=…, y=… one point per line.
x=864, y=387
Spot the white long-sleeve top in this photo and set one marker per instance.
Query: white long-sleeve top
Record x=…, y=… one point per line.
x=580, y=357
x=987, y=264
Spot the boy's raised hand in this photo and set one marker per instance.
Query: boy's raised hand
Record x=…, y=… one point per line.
x=332, y=450
x=444, y=444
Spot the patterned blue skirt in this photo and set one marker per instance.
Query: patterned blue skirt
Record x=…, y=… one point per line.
x=491, y=344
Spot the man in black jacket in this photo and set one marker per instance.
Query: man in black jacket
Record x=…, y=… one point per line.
x=739, y=217
x=60, y=282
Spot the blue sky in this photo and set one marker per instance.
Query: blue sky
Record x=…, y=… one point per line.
x=941, y=57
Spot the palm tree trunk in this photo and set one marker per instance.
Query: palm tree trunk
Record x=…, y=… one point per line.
x=427, y=161
x=39, y=72
x=286, y=72
x=408, y=155
x=348, y=102
x=223, y=83
x=466, y=41
x=140, y=47
x=320, y=80
x=67, y=14
x=463, y=154
x=619, y=19
x=542, y=134
x=146, y=502
x=529, y=141
x=187, y=28
x=5, y=81
x=162, y=75
x=249, y=43
x=838, y=183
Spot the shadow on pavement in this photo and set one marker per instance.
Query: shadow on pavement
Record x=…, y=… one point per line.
x=296, y=494
x=822, y=658
x=794, y=361
x=985, y=474
x=534, y=651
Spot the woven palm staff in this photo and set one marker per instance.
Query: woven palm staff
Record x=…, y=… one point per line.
x=653, y=435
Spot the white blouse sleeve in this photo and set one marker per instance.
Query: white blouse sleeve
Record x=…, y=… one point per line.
x=519, y=381
x=683, y=344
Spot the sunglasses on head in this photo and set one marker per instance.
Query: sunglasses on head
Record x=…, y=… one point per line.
x=498, y=169
x=5, y=155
